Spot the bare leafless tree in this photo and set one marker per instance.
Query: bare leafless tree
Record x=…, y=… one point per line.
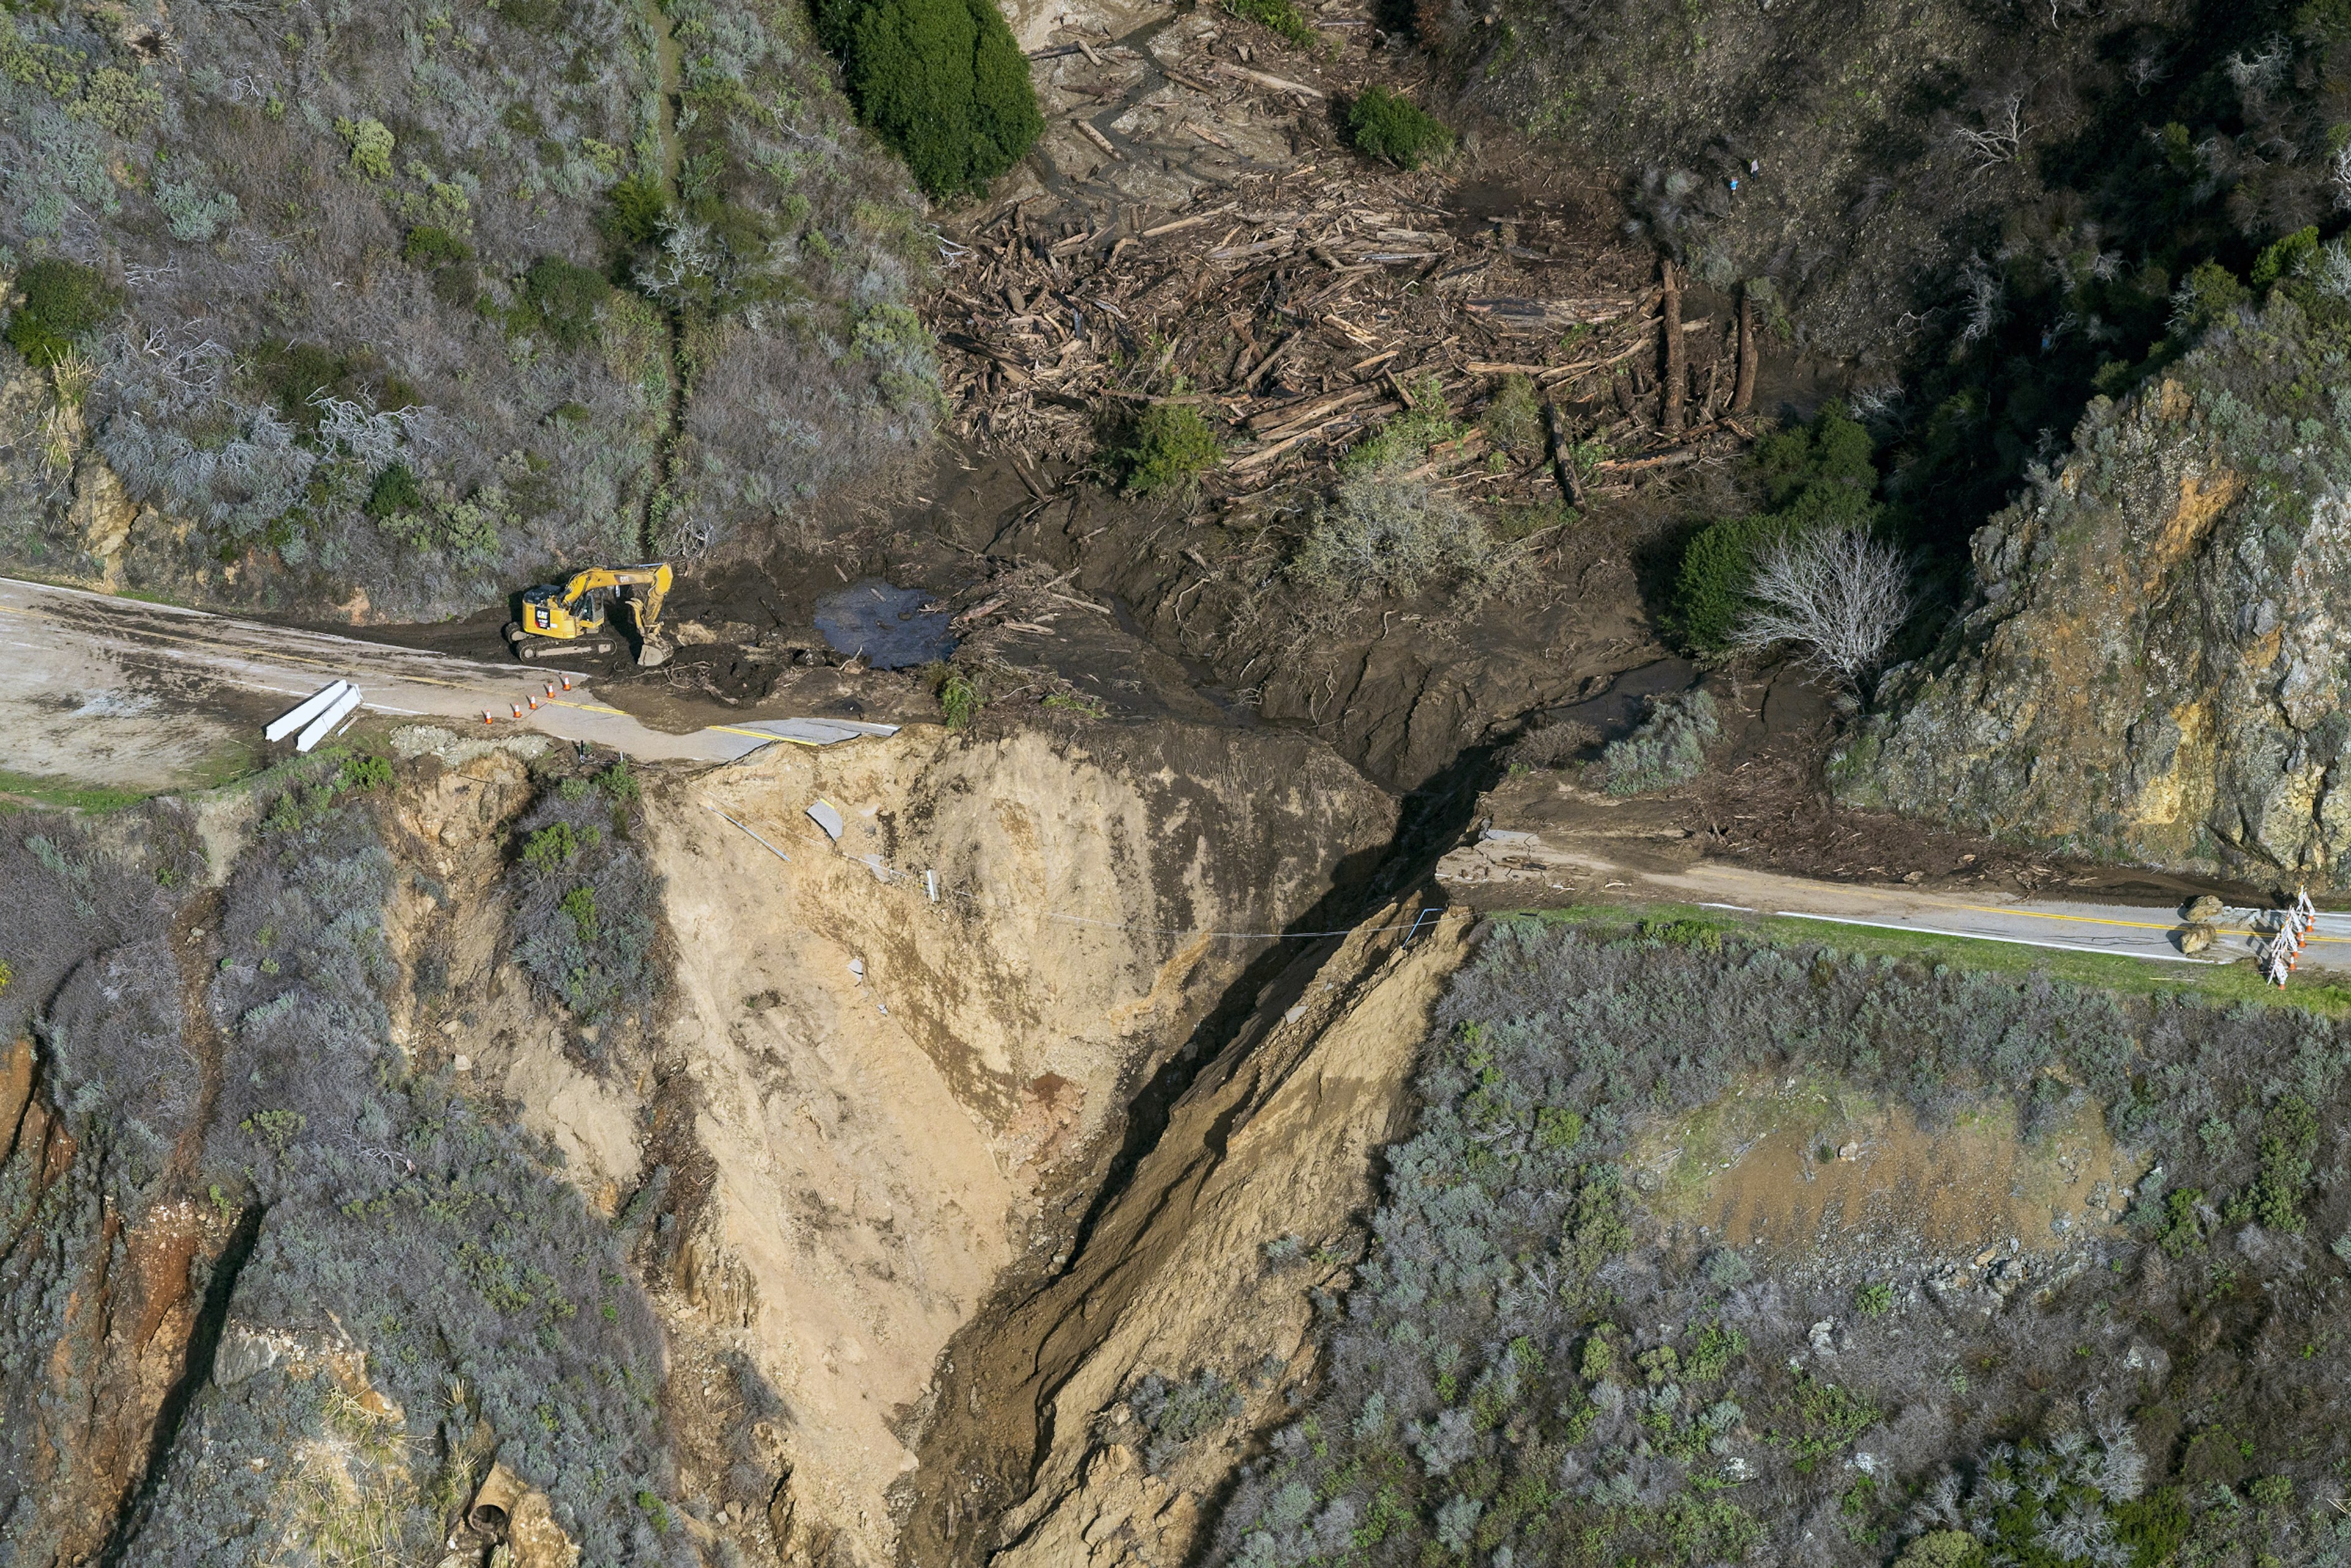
x=1985, y=290
x=1837, y=593
x=2001, y=140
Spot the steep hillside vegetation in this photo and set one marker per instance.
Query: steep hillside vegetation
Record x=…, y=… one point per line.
x=2152, y=665
x=446, y=1108
x=1601, y=1320
x=394, y=307
x=1983, y=211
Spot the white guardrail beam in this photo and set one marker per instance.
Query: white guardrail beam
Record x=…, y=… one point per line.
x=324, y=725
x=303, y=712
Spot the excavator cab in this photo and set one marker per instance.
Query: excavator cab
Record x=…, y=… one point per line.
x=574, y=616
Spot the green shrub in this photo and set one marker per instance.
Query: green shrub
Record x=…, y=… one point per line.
x=1820, y=475
x=618, y=785
x=553, y=847
x=370, y=143
x=1683, y=934
x=1388, y=126
x=1513, y=418
x=1941, y=1549
x=634, y=210
x=2183, y=1230
x=2210, y=293
x=364, y=773
x=942, y=82
x=1711, y=585
x=2289, y=1148
x=1666, y=749
x=63, y=300
x=563, y=299
x=1404, y=442
x=1282, y=16
x=395, y=491
x=1167, y=448
x=429, y=246
x=1874, y=1300
x=580, y=904
x=959, y=700
x=2287, y=259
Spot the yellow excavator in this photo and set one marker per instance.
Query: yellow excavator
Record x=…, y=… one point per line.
x=571, y=617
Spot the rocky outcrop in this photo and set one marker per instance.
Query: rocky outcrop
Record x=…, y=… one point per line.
x=2154, y=664
x=107, y=1305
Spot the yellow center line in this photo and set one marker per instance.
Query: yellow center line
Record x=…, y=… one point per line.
x=217, y=647
x=236, y=650
x=2133, y=924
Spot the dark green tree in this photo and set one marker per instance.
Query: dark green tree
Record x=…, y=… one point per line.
x=942, y=82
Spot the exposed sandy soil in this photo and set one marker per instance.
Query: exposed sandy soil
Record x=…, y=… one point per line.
x=1274, y=1139
x=1806, y=1169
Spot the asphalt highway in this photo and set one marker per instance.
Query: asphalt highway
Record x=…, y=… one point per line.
x=111, y=690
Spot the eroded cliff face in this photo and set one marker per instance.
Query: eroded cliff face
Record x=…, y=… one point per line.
x=1205, y=1268
x=884, y=1075
x=2154, y=664
x=890, y=1098
x=114, y=1299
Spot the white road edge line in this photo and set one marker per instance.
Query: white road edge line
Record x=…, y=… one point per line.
x=1982, y=936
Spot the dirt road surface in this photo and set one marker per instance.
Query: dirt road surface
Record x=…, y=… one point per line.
x=135, y=695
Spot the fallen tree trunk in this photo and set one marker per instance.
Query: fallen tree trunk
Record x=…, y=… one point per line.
x=1676, y=374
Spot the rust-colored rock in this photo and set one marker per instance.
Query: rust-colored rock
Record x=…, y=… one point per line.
x=2156, y=665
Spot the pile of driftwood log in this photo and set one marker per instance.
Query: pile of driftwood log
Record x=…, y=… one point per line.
x=1300, y=294
x=1312, y=305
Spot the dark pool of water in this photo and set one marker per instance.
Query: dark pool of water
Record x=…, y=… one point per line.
x=885, y=623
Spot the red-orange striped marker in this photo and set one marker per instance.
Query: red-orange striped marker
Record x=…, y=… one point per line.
x=567, y=682
x=518, y=709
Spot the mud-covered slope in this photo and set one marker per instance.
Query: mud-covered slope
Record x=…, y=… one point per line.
x=2152, y=666
x=898, y=1095
x=1212, y=1254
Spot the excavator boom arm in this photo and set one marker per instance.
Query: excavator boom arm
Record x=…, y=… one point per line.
x=654, y=578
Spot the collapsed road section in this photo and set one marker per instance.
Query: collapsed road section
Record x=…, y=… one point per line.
x=136, y=694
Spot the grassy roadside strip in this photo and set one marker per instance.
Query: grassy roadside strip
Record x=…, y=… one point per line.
x=2221, y=983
